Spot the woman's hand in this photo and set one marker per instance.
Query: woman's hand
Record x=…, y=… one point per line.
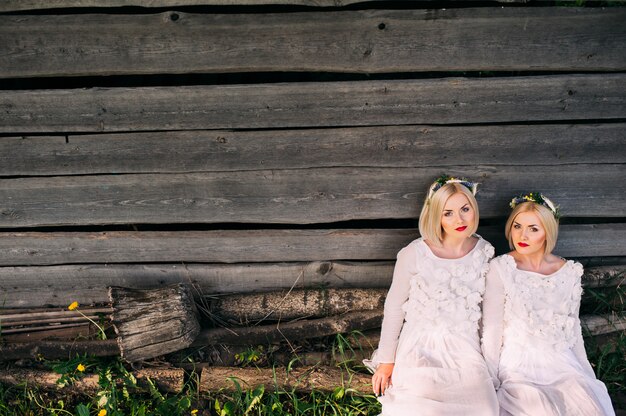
x=382, y=378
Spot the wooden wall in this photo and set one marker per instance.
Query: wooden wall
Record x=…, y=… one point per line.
x=252, y=145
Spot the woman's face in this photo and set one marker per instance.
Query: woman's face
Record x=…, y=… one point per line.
x=457, y=218
x=528, y=233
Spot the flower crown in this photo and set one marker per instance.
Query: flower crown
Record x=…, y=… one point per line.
x=537, y=198
x=445, y=179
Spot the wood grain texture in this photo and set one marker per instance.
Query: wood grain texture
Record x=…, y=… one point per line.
x=316, y=104
x=387, y=146
x=301, y=196
x=372, y=41
x=21, y=287
x=37, y=286
x=22, y=5
x=20, y=249
x=153, y=322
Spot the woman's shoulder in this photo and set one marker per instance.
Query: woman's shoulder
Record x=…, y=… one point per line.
x=503, y=260
x=484, y=247
x=412, y=249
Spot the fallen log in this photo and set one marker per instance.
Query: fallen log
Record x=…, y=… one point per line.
x=53, y=350
x=169, y=380
x=604, y=276
x=286, y=305
x=150, y=323
x=300, y=379
x=314, y=328
x=262, y=335
x=602, y=324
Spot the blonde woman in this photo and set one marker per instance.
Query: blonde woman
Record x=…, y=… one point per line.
x=428, y=360
x=532, y=339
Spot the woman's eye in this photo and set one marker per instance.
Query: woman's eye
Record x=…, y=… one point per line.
x=447, y=214
x=465, y=209
x=517, y=226
x=533, y=229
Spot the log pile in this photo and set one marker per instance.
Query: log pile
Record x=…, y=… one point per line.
x=154, y=322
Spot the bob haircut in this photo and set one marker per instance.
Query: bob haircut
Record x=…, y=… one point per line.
x=550, y=224
x=430, y=218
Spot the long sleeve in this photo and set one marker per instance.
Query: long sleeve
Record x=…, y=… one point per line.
x=493, y=321
x=579, y=347
x=393, y=318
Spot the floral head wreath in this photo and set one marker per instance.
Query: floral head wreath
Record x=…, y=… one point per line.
x=445, y=179
x=537, y=198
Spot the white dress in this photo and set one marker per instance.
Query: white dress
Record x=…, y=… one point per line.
x=430, y=331
x=533, y=345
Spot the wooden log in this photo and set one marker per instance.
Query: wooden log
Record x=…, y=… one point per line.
x=332, y=104
x=53, y=350
x=253, y=308
x=237, y=246
x=604, y=276
x=301, y=196
x=64, y=332
x=370, y=41
x=167, y=379
x=89, y=282
x=362, y=321
x=386, y=146
x=603, y=324
x=151, y=323
x=313, y=328
x=299, y=378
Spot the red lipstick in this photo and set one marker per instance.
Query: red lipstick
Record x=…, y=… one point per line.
x=461, y=228
x=522, y=244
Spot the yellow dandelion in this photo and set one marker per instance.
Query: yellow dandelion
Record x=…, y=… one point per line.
x=102, y=413
x=80, y=367
x=73, y=306
x=194, y=412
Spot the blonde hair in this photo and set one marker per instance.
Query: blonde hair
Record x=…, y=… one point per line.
x=549, y=222
x=430, y=217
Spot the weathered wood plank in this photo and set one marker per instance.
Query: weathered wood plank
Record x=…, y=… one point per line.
x=28, y=287
x=388, y=146
x=481, y=39
x=21, y=5
x=19, y=249
x=301, y=196
x=60, y=285
x=316, y=104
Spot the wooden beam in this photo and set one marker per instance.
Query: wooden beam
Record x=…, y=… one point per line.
x=22, y=5
x=316, y=104
x=387, y=146
x=370, y=41
x=29, y=287
x=300, y=196
x=20, y=249
x=60, y=285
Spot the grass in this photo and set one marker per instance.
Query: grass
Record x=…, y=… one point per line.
x=118, y=394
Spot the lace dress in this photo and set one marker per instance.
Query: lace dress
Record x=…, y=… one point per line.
x=433, y=305
x=532, y=342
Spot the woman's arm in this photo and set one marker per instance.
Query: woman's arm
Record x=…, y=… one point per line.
x=393, y=318
x=492, y=321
